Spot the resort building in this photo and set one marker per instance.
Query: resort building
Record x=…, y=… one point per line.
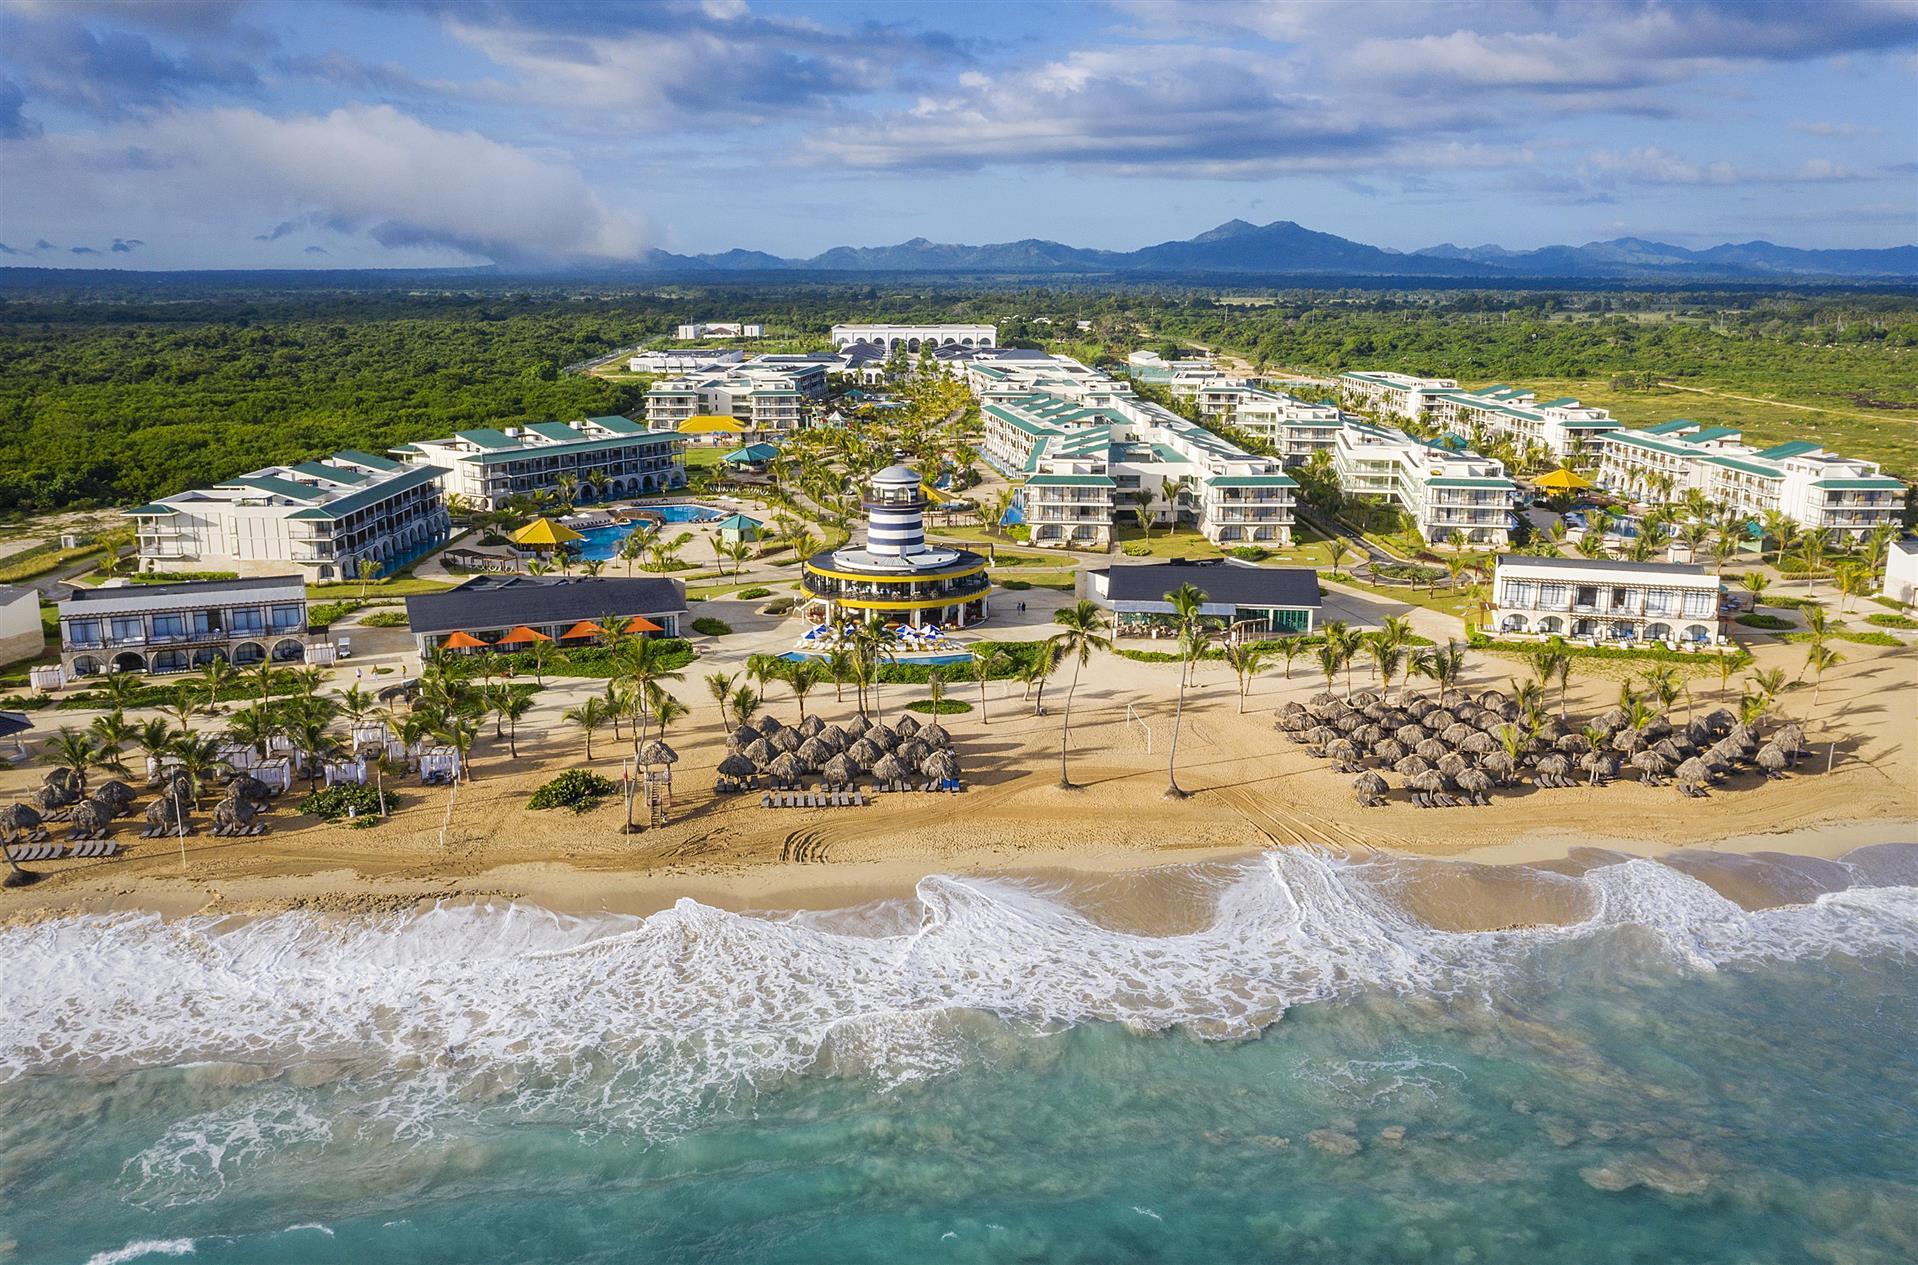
x=719, y=329
x=1562, y=429
x=768, y=396
x=1185, y=379
x=1901, y=572
x=1604, y=600
x=596, y=458
x=683, y=360
x=1393, y=394
x=163, y=628
x=22, y=636
x=1257, y=601
x=1820, y=491
x=895, y=577
x=1295, y=429
x=512, y=612
x=914, y=337
x=1443, y=488
x=325, y=518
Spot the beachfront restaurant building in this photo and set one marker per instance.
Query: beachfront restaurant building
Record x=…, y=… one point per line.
x=166, y=628
x=1606, y=600
x=894, y=577
x=1255, y=601
x=512, y=612
x=592, y=459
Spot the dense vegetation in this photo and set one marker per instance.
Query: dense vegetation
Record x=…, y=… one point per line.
x=112, y=396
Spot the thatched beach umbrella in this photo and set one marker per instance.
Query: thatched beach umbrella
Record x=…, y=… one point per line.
x=1368, y=736
x=1418, y=706
x=911, y=751
x=1598, y=766
x=1772, y=759
x=1492, y=698
x=1323, y=697
x=1627, y=741
x=1475, y=782
x=786, y=769
x=1669, y=751
x=838, y=735
x=857, y=725
x=1552, y=770
x=741, y=738
x=815, y=752
x=1573, y=744
x=1319, y=735
x=810, y=727
x=882, y=737
x=1411, y=766
x=1451, y=764
x=1342, y=753
x=1430, y=782
x=1478, y=744
x=888, y=769
x=940, y=766
x=657, y=752
x=770, y=724
x=1370, y=789
x=1348, y=722
x=1296, y=722
x=761, y=752
x=1499, y=765
x=935, y=735
x=906, y=726
x=1652, y=765
x=1791, y=737
x=737, y=768
x=1695, y=772
x=838, y=771
x=1432, y=749
x=1410, y=735
x=864, y=753
x=1387, y=750
x=1457, y=732
x=1438, y=720
x=1720, y=720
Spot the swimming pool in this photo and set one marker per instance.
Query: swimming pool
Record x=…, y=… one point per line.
x=917, y=660
x=602, y=543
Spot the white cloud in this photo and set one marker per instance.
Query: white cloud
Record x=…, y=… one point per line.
x=358, y=169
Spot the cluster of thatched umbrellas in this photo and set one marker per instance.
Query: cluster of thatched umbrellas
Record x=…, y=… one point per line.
x=89, y=813
x=904, y=754
x=1459, y=752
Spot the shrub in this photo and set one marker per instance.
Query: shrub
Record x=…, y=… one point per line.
x=1885, y=599
x=1017, y=586
x=755, y=591
x=1251, y=553
x=1846, y=634
x=1136, y=549
x=349, y=799
x=780, y=605
x=326, y=613
x=1892, y=621
x=577, y=789
x=1771, y=622
x=384, y=619
x=711, y=627
x=945, y=707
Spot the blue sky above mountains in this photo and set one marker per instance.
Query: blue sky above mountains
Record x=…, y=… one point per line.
x=242, y=133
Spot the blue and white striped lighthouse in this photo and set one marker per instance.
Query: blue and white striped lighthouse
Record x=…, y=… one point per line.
x=896, y=511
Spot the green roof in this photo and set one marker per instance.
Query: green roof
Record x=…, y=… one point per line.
x=1250, y=481
x=752, y=453
x=1070, y=481
x=1666, y=428
x=276, y=486
x=487, y=437
x=366, y=459
x=354, y=502
x=559, y=432
x=1790, y=449
x=1591, y=423
x=739, y=522
x=1563, y=401
x=333, y=474
x=618, y=425
x=1712, y=432
x=1746, y=467
x=153, y=510
x=1875, y=484
x=1639, y=440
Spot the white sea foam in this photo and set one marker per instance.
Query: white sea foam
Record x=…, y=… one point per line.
x=640, y=1022
x=143, y=1247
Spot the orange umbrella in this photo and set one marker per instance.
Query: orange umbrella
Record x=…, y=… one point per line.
x=584, y=628
x=522, y=633
x=462, y=641
x=640, y=623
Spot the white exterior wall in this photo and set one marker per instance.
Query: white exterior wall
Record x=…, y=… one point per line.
x=1901, y=572
x=914, y=337
x=1571, y=598
x=21, y=634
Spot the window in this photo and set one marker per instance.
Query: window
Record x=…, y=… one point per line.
x=1586, y=595
x=84, y=632
x=205, y=622
x=246, y=620
x=126, y=628
x=1553, y=594
x=1699, y=602
x=169, y=626
x=287, y=617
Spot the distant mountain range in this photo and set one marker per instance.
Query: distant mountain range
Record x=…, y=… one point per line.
x=1283, y=248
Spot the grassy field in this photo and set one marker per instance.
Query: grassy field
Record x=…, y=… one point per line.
x=1767, y=416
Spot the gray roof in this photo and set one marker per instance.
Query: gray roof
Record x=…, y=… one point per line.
x=1599, y=566
x=209, y=591
x=505, y=601
x=1223, y=581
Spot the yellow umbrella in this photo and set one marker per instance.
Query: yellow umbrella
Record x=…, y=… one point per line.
x=543, y=533
x=1562, y=481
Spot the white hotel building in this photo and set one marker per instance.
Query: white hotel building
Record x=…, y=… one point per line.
x=604, y=457
x=770, y=396
x=1605, y=601
x=1443, y=490
x=914, y=338
x=1397, y=395
x=719, y=329
x=1295, y=429
x=324, y=519
x=1819, y=490
x=1082, y=467
x=1564, y=428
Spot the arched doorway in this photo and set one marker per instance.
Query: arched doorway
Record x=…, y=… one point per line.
x=1513, y=623
x=208, y=654
x=288, y=650
x=248, y=653
x=170, y=661
x=1551, y=624
x=86, y=665
x=127, y=661
x=1697, y=632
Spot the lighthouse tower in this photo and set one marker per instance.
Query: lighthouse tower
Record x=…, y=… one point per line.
x=895, y=507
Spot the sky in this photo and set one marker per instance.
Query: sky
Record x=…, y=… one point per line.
x=410, y=133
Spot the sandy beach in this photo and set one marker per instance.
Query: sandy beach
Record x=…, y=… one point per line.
x=1251, y=790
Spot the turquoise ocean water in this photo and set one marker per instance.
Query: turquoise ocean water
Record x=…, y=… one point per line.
x=1294, y=1059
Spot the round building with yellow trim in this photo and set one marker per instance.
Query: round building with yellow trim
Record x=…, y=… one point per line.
x=894, y=577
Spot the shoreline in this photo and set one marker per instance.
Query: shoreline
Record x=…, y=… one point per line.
x=780, y=888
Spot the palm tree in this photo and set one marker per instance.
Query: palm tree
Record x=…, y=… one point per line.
x=113, y=732
x=1288, y=649
x=1002, y=503
x=1552, y=661
x=720, y=686
x=1186, y=602
x=213, y=679
x=645, y=663
x=589, y=716
x=370, y=569
x=1245, y=658
x=197, y=757
x=1085, y=627
x=1387, y=656
x=155, y=739
x=745, y=704
x=984, y=661
x=1811, y=555
x=312, y=733
x=1818, y=658
x=1755, y=582
x=1443, y=665
x=1854, y=579
x=631, y=550
x=256, y=727
x=1330, y=661
x=1817, y=623
x=511, y=705
x=800, y=678
x=459, y=733
x=1769, y=683
x=79, y=753
x=1347, y=641
x=664, y=708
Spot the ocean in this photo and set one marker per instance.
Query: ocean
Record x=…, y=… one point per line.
x=1294, y=1058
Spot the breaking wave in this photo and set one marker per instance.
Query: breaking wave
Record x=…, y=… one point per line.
x=640, y=1022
